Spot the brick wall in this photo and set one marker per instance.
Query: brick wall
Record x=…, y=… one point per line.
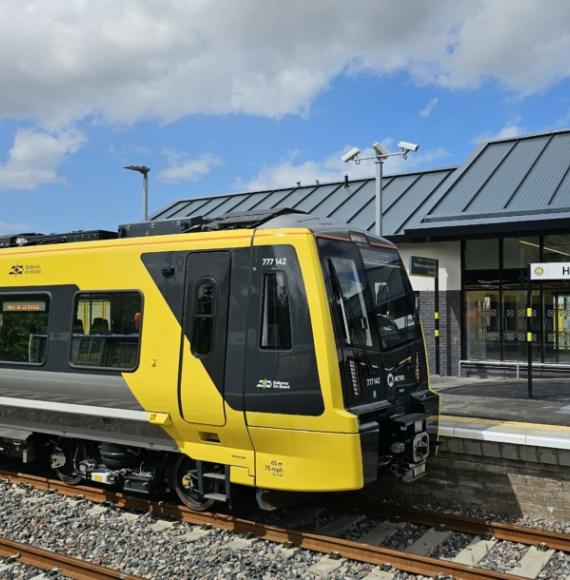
x=503, y=478
x=450, y=329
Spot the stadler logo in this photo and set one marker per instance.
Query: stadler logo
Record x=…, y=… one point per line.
x=16, y=270
x=539, y=271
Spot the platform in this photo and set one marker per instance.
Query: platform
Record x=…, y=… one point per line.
x=505, y=399
x=509, y=432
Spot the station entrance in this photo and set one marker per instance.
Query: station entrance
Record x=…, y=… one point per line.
x=496, y=296
x=495, y=323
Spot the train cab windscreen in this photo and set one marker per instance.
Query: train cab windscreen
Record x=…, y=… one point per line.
x=376, y=323
x=392, y=296
x=373, y=295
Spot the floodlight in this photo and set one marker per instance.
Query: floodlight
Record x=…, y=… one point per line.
x=351, y=155
x=140, y=168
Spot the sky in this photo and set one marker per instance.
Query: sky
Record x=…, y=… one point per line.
x=228, y=96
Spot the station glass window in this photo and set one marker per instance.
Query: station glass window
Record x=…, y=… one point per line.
x=515, y=322
x=520, y=252
x=557, y=324
x=482, y=254
x=557, y=248
x=482, y=324
x=24, y=328
x=276, y=316
x=106, y=330
x=205, y=310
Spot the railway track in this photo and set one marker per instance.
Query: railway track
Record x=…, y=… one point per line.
x=47, y=560
x=328, y=539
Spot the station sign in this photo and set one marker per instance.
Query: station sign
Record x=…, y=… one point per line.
x=420, y=266
x=550, y=271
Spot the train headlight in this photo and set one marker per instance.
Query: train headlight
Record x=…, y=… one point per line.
x=354, y=378
x=418, y=368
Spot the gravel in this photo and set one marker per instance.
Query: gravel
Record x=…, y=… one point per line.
x=557, y=569
x=11, y=569
x=128, y=542
x=359, y=529
x=469, y=511
x=104, y=535
x=456, y=542
x=504, y=556
x=405, y=537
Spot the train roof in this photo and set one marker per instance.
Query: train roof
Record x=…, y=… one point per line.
x=253, y=219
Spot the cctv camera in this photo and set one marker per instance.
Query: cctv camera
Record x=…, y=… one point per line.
x=351, y=155
x=380, y=150
x=408, y=146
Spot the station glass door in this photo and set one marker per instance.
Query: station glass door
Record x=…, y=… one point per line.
x=557, y=326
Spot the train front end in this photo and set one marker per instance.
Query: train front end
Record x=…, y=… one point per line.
x=382, y=357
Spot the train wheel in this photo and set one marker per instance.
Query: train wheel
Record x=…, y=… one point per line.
x=185, y=483
x=62, y=461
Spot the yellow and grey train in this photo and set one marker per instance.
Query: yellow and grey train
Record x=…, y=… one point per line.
x=273, y=350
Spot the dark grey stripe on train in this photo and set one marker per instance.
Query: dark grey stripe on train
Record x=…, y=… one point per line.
x=98, y=407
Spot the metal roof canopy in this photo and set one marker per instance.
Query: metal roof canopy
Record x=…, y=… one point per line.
x=520, y=184
x=517, y=184
x=404, y=195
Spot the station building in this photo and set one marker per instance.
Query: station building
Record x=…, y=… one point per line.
x=507, y=205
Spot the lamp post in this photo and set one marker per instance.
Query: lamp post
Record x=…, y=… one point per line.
x=380, y=154
x=143, y=169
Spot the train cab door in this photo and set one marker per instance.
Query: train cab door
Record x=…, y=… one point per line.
x=203, y=356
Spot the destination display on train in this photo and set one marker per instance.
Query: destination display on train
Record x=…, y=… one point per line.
x=31, y=306
x=550, y=271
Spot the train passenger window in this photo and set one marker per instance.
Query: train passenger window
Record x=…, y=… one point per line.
x=24, y=328
x=276, y=317
x=106, y=330
x=204, y=312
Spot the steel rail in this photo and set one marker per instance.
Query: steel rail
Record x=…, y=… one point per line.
x=48, y=560
x=501, y=531
x=354, y=550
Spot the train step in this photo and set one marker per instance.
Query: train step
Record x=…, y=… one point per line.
x=216, y=496
x=214, y=475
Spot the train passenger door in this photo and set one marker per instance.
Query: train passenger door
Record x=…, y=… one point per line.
x=203, y=357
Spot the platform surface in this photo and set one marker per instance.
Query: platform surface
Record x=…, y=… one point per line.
x=510, y=432
x=505, y=399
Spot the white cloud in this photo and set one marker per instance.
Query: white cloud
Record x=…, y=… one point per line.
x=510, y=129
x=517, y=42
x=287, y=172
x=428, y=109
x=35, y=157
x=164, y=59
x=182, y=168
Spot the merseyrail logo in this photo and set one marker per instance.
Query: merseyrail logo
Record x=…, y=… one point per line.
x=539, y=271
x=268, y=384
x=24, y=269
